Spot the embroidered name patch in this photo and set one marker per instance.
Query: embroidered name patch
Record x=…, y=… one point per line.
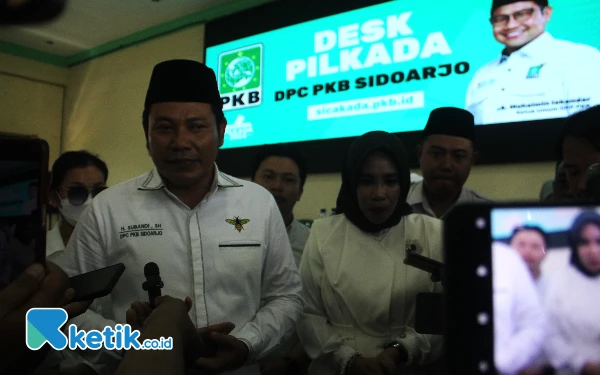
x=140, y=230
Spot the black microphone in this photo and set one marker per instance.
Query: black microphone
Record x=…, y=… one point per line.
x=153, y=283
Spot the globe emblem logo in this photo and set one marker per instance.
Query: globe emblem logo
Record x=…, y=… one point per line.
x=240, y=72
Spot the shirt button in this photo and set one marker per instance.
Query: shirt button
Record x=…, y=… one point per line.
x=510, y=70
x=503, y=89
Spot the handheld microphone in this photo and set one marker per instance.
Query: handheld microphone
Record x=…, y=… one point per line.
x=153, y=283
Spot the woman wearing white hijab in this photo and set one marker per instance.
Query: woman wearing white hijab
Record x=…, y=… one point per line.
x=360, y=296
x=572, y=298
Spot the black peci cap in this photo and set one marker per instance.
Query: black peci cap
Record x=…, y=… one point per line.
x=183, y=81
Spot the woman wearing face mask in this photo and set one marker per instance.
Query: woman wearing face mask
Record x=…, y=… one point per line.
x=360, y=296
x=77, y=177
x=572, y=297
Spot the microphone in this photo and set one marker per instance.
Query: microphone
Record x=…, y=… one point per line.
x=153, y=283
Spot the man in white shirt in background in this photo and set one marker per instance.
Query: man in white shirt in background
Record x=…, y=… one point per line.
x=519, y=320
x=281, y=169
x=446, y=156
x=217, y=239
x=580, y=150
x=530, y=242
x=537, y=76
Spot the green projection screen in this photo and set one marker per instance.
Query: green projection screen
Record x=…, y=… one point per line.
x=387, y=66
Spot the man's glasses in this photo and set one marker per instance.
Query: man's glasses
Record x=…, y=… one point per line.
x=520, y=16
x=78, y=195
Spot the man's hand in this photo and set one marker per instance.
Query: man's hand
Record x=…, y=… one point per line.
x=139, y=311
x=35, y=287
x=170, y=318
x=230, y=354
x=205, y=332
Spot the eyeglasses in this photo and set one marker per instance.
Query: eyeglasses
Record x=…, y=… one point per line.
x=286, y=180
x=78, y=195
x=520, y=16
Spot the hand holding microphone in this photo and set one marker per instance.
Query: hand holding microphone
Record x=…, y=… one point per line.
x=153, y=283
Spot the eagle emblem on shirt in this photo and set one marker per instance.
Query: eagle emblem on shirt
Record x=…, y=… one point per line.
x=237, y=222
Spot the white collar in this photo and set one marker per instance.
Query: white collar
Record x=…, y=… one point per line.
x=291, y=223
x=155, y=182
x=537, y=47
x=417, y=196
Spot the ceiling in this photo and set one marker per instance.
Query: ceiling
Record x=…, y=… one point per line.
x=89, y=28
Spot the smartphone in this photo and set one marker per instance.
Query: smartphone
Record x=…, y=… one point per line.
x=522, y=283
x=23, y=187
x=96, y=284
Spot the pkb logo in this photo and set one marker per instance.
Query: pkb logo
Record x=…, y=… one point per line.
x=240, y=77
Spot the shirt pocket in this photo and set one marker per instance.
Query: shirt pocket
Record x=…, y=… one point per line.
x=241, y=258
x=535, y=87
x=239, y=245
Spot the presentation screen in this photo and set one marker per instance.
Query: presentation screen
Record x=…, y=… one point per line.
x=385, y=67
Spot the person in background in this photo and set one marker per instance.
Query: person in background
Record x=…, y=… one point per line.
x=546, y=190
x=446, y=156
x=519, y=320
x=556, y=189
x=76, y=178
x=579, y=148
x=571, y=298
x=281, y=169
x=560, y=187
x=537, y=76
x=414, y=178
x=360, y=296
x=530, y=242
x=216, y=238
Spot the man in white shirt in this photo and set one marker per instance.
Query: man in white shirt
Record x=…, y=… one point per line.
x=217, y=239
x=281, y=169
x=530, y=242
x=519, y=320
x=446, y=156
x=580, y=151
x=537, y=76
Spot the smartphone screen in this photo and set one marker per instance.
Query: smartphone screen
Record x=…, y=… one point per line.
x=546, y=288
x=22, y=216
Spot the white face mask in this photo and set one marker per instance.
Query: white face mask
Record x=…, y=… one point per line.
x=72, y=212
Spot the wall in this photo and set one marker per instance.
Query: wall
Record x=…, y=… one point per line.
x=31, y=99
x=105, y=99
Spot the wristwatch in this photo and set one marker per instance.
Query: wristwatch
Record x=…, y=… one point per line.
x=401, y=349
